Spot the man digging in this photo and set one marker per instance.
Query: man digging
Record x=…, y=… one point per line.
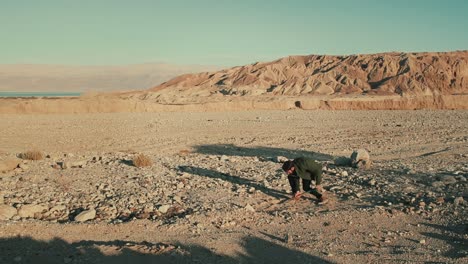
x=308, y=170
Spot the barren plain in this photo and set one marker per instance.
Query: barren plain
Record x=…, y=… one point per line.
x=215, y=192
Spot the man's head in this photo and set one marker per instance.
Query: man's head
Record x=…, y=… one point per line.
x=288, y=167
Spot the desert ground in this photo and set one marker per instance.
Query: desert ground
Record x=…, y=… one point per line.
x=215, y=192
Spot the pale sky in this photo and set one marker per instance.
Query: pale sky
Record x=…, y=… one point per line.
x=222, y=32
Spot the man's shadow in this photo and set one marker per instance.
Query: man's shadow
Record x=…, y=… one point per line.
x=453, y=235
x=57, y=250
x=233, y=179
x=262, y=152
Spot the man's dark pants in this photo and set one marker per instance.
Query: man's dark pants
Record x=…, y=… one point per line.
x=294, y=182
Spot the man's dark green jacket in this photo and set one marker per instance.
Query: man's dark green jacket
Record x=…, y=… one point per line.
x=308, y=169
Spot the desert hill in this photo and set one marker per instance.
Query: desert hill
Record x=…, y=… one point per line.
x=412, y=74
x=385, y=81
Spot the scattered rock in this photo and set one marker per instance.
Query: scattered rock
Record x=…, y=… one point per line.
x=58, y=208
x=23, y=166
x=164, y=208
x=458, y=201
x=447, y=179
x=372, y=182
x=7, y=212
x=249, y=208
x=9, y=164
x=86, y=215
x=78, y=164
x=64, y=165
x=438, y=184
x=29, y=210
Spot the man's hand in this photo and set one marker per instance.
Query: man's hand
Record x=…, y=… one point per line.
x=297, y=196
x=319, y=188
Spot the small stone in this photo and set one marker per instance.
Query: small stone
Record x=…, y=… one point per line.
x=458, y=201
x=344, y=173
x=64, y=165
x=23, y=166
x=372, y=182
x=249, y=208
x=440, y=200
x=164, y=208
x=438, y=184
x=177, y=199
x=422, y=241
x=78, y=164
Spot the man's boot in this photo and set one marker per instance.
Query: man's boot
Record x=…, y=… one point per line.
x=318, y=192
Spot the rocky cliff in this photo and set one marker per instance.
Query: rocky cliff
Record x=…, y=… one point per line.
x=406, y=74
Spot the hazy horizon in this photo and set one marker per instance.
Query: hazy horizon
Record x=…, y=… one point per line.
x=222, y=33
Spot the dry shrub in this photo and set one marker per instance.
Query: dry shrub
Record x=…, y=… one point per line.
x=184, y=152
x=32, y=155
x=142, y=161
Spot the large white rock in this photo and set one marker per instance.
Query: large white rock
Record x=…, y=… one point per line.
x=360, y=159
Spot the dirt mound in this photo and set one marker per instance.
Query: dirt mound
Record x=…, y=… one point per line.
x=222, y=104
x=403, y=74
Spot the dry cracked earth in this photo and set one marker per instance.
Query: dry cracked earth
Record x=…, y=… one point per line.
x=215, y=192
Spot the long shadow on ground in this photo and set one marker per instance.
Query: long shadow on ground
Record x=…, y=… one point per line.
x=256, y=250
x=264, y=152
x=453, y=235
x=234, y=180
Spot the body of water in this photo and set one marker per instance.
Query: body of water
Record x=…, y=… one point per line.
x=39, y=94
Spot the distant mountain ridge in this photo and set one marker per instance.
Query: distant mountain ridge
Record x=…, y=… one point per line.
x=425, y=73
x=45, y=78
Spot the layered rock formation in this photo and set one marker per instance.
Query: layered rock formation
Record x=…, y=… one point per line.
x=411, y=74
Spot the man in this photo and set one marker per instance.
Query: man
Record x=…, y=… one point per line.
x=308, y=170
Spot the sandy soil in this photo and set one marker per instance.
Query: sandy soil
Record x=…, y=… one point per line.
x=221, y=169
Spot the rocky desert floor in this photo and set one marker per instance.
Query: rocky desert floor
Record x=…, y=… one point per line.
x=215, y=192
